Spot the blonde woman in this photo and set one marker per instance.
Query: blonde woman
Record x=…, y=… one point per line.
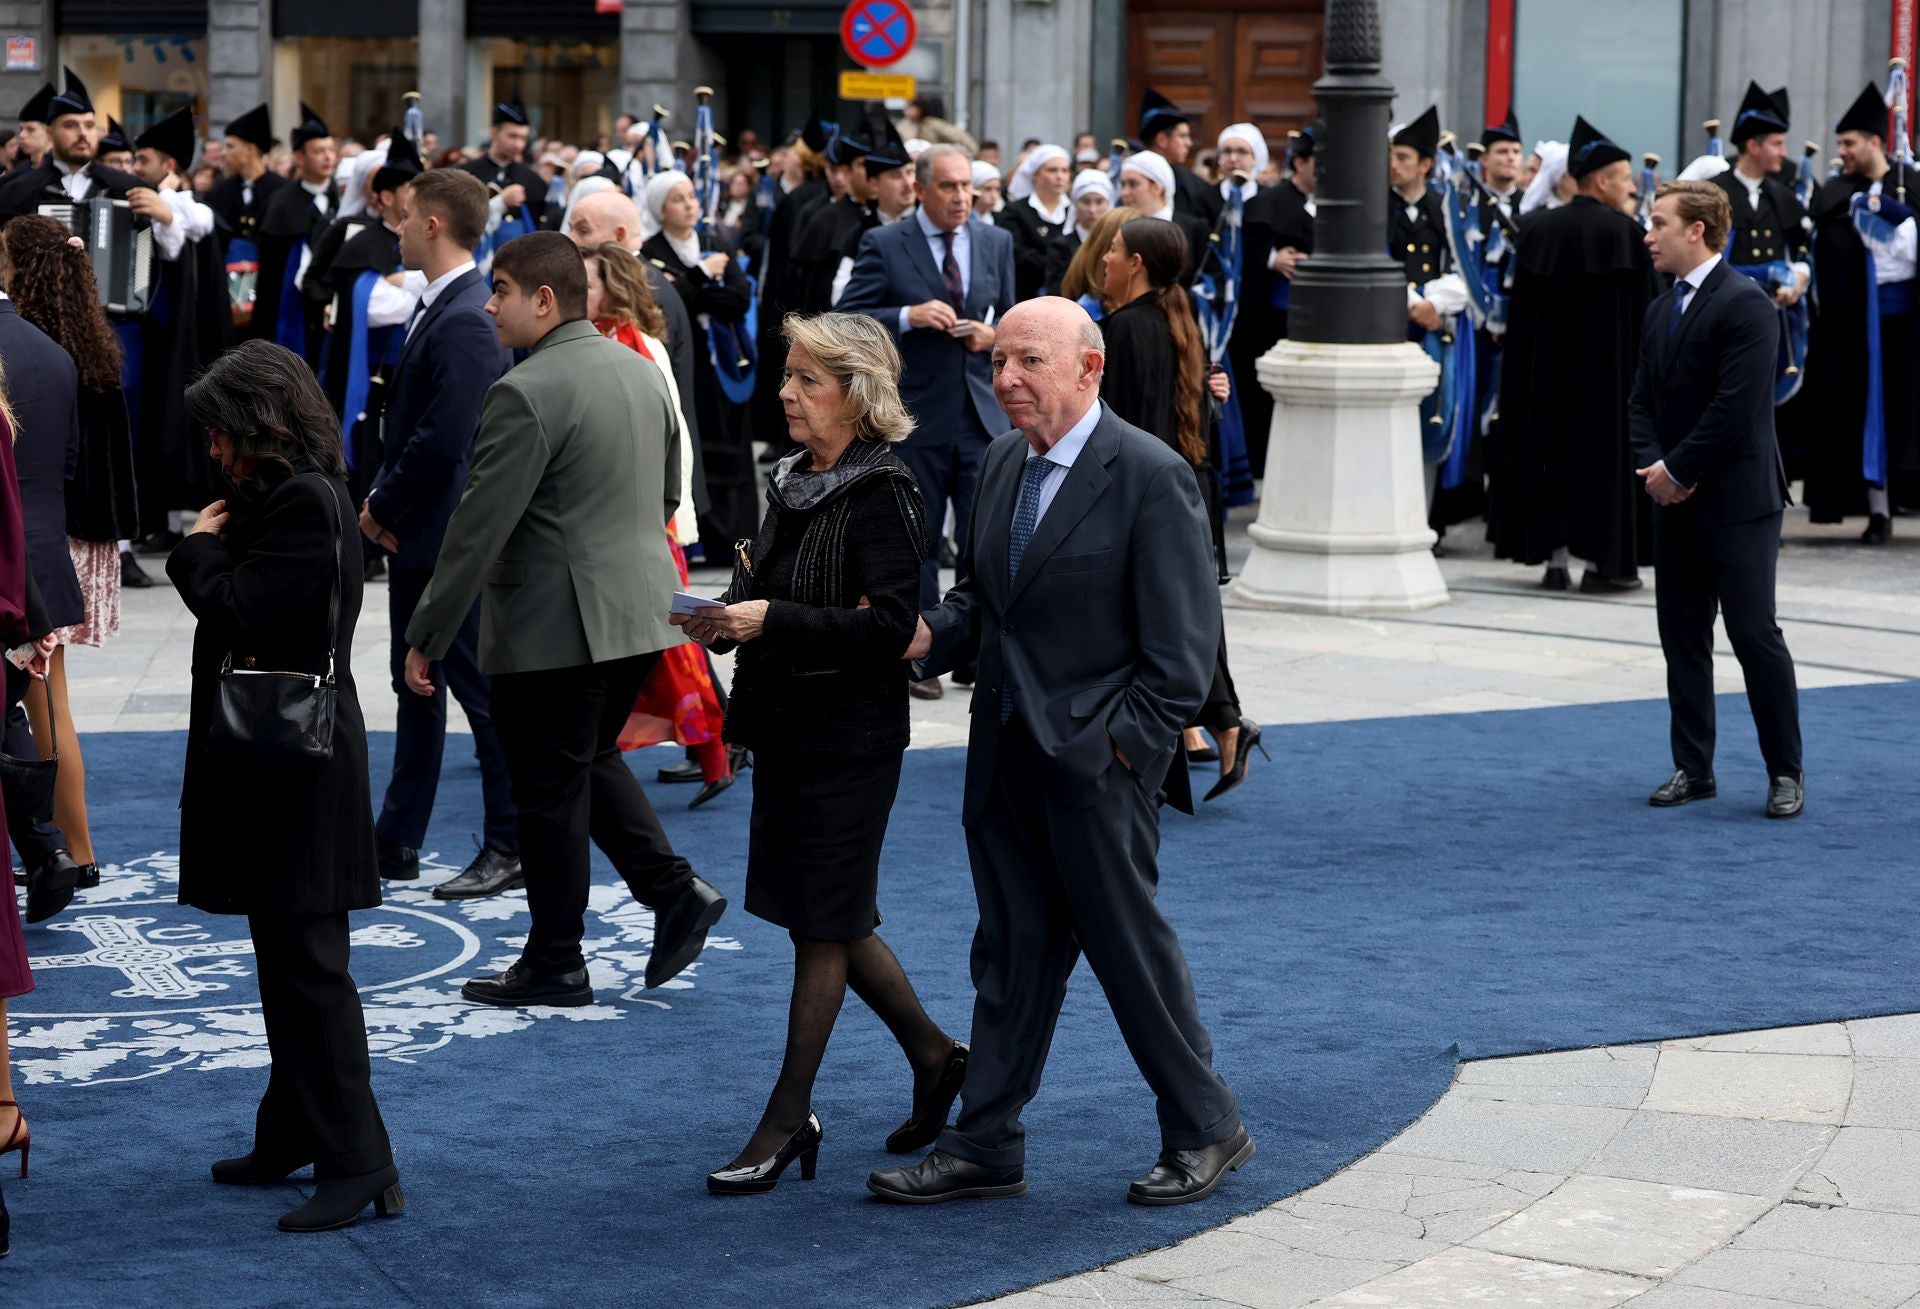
x=1086, y=279
x=820, y=609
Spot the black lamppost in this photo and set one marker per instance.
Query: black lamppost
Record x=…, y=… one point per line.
x=1350, y=292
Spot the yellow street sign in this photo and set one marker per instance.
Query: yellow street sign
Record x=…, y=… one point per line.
x=855, y=85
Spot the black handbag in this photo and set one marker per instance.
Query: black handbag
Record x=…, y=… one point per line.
x=29, y=782
x=281, y=715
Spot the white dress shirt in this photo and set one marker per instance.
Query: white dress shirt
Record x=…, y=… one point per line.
x=1896, y=264
x=390, y=305
x=1061, y=456
x=74, y=181
x=937, y=245
x=1696, y=279
x=433, y=290
x=192, y=221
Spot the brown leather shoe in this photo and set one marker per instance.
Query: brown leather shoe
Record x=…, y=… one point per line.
x=927, y=690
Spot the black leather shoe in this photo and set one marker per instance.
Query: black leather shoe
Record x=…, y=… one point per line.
x=50, y=886
x=929, y=1117
x=965, y=675
x=758, y=1179
x=1786, y=797
x=1557, y=579
x=251, y=1169
x=1592, y=583
x=398, y=863
x=338, y=1201
x=710, y=790
x=687, y=770
x=1879, y=530
x=1243, y=757
x=89, y=877
x=158, y=543
x=373, y=567
x=491, y=872
x=680, y=931
x=941, y=1177
x=1183, y=1176
x=520, y=985
x=1680, y=789
x=132, y=574
x=739, y=759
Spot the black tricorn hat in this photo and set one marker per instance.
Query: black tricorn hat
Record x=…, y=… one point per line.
x=1760, y=114
x=1867, y=114
x=889, y=154
x=844, y=148
x=510, y=111
x=173, y=136
x=1157, y=114
x=401, y=167
x=1507, y=129
x=73, y=100
x=819, y=132
x=1589, y=150
x=114, y=139
x=1422, y=134
x=255, y=127
x=37, y=109
x=1301, y=144
x=311, y=127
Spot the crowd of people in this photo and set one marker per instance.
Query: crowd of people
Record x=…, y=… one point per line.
x=833, y=366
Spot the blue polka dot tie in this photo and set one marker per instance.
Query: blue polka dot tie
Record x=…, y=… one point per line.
x=1025, y=515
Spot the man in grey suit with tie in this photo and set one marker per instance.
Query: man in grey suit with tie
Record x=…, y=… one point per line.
x=940, y=280
x=1086, y=592
x=563, y=525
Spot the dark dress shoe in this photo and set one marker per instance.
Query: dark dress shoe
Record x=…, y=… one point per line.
x=1679, y=789
x=491, y=872
x=252, y=1169
x=89, y=877
x=927, y=690
x=373, y=567
x=687, y=770
x=158, y=543
x=710, y=790
x=521, y=985
x=1206, y=754
x=941, y=1177
x=1592, y=583
x=1879, y=530
x=949, y=557
x=1243, y=757
x=1183, y=1176
x=758, y=1179
x=930, y=1112
x=338, y=1201
x=50, y=886
x=739, y=759
x=964, y=676
x=1786, y=797
x=398, y=863
x=1557, y=579
x=680, y=931
x=132, y=574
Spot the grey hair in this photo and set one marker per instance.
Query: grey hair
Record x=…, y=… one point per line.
x=1091, y=337
x=923, y=166
x=861, y=356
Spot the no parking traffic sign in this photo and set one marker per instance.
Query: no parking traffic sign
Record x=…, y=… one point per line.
x=878, y=33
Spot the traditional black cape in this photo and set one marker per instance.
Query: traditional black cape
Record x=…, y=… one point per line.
x=1031, y=234
x=102, y=503
x=189, y=326
x=24, y=191
x=288, y=220
x=514, y=174
x=1564, y=470
x=831, y=233
x=766, y=416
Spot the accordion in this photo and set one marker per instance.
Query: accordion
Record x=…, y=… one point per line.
x=121, y=247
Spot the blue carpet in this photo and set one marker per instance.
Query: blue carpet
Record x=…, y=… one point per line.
x=1388, y=896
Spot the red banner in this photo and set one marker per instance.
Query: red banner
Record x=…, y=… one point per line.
x=1500, y=59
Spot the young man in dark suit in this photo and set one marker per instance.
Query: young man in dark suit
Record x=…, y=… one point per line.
x=71, y=169
x=1701, y=420
x=1088, y=597
x=450, y=357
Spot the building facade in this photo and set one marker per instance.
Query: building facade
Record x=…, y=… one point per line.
x=1646, y=71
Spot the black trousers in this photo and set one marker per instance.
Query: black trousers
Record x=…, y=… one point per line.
x=420, y=728
x=1052, y=882
x=36, y=841
x=319, y=1102
x=1699, y=570
x=561, y=730
x=946, y=474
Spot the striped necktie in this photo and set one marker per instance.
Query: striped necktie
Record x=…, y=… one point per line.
x=950, y=274
x=1026, y=515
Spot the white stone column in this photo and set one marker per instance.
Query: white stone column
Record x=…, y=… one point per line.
x=1343, y=512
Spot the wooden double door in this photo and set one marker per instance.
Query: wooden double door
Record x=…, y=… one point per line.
x=1228, y=61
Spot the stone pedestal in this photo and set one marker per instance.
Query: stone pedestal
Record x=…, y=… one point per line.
x=1343, y=514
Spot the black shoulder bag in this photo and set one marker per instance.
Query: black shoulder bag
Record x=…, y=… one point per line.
x=280, y=715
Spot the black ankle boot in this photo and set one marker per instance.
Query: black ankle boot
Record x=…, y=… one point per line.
x=254, y=1169
x=338, y=1201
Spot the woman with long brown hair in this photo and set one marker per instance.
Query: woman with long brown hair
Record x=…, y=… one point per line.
x=50, y=280
x=1086, y=277
x=1157, y=379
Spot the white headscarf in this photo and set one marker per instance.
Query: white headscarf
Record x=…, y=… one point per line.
x=1151, y=165
x=688, y=247
x=984, y=172
x=1022, y=184
x=1254, y=138
x=592, y=160
x=1091, y=179
x=353, y=189
x=916, y=147
x=1553, y=167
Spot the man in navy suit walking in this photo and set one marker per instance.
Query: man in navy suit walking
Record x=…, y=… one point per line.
x=940, y=280
x=1701, y=419
x=450, y=357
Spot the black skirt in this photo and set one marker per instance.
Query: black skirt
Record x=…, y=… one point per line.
x=813, y=853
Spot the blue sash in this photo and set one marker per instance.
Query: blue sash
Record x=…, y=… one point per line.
x=1281, y=293
x=1893, y=298
x=368, y=350
x=291, y=330
x=518, y=222
x=1236, y=471
x=1462, y=413
x=1792, y=359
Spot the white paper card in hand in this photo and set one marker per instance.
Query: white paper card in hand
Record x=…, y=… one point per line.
x=684, y=603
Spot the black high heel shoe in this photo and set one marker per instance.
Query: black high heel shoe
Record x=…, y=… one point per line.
x=338, y=1201
x=929, y=1117
x=1242, y=756
x=757, y=1179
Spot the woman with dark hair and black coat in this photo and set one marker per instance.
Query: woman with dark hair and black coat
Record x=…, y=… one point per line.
x=1157, y=378
x=273, y=574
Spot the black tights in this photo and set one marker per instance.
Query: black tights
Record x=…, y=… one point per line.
x=822, y=972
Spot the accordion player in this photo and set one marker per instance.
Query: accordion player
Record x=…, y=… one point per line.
x=120, y=243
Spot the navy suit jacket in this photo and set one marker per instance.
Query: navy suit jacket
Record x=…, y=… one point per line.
x=432, y=415
x=1108, y=633
x=44, y=388
x=894, y=269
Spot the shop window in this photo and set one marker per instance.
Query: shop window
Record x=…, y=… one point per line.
x=139, y=79
x=1625, y=78
x=356, y=83
x=571, y=86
